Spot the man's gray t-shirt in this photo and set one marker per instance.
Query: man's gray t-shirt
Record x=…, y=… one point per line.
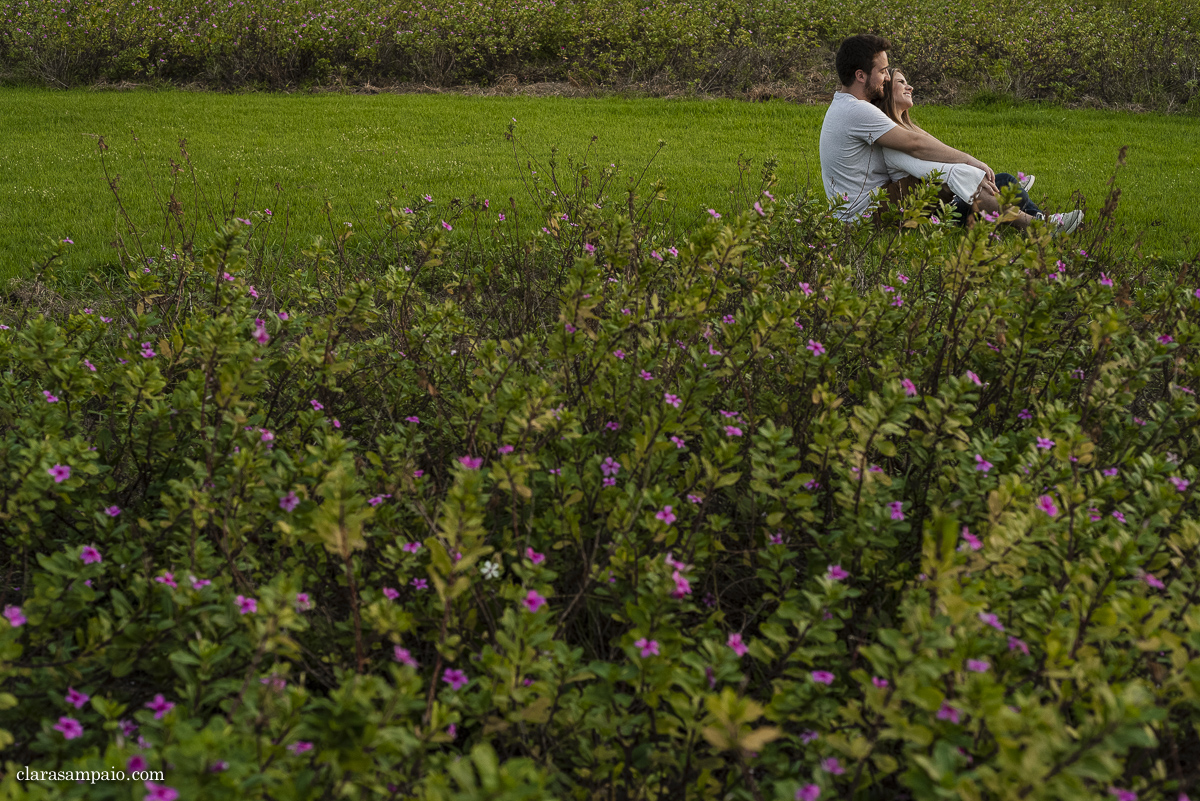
x=851, y=161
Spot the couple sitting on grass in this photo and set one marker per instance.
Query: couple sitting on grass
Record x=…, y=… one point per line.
x=869, y=142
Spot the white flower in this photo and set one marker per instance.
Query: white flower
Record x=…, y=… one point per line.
x=490, y=570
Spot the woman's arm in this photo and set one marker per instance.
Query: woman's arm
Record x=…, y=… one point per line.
x=923, y=146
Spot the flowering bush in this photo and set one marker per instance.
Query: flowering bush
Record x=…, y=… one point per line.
x=591, y=513
x=1145, y=52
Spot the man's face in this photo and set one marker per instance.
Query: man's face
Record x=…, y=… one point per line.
x=874, y=87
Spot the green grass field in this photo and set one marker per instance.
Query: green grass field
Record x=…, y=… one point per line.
x=352, y=149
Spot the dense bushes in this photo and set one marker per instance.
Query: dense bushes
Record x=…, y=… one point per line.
x=1143, y=51
x=785, y=510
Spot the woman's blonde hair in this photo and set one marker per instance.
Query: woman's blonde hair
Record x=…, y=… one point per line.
x=887, y=104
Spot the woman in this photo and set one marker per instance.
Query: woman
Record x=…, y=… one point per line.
x=962, y=179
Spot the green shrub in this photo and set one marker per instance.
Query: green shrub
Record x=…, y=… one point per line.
x=784, y=510
x=1118, y=52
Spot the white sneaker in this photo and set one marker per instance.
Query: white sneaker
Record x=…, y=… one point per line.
x=1027, y=182
x=1064, y=223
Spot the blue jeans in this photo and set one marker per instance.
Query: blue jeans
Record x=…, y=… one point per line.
x=1003, y=179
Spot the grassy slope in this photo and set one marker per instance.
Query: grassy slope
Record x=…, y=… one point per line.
x=352, y=149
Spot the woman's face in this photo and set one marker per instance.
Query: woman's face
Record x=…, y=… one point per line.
x=902, y=92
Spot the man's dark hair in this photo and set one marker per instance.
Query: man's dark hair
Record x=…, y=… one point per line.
x=858, y=53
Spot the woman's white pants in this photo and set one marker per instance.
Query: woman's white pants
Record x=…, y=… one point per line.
x=962, y=179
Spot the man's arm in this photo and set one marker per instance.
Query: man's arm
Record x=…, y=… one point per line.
x=923, y=146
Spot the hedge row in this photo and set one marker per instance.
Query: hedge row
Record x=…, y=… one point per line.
x=1116, y=52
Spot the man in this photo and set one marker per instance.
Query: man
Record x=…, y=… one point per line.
x=855, y=131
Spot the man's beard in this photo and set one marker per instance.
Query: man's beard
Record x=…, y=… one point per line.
x=878, y=93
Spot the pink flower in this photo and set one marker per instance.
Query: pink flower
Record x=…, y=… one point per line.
x=816, y=347
x=682, y=585
x=60, y=473
x=50, y=397
x=457, y=679
x=411, y=547
x=991, y=620
x=1046, y=504
x=246, y=605
x=733, y=431
x=303, y=602
x=679, y=442
x=283, y=316
x=160, y=706
x=694, y=498
x=300, y=747
x=978, y=666
x=14, y=616
x=420, y=583
x=90, y=555
x=1122, y=795
x=808, y=735
x=971, y=540
x=897, y=510
x=1105, y=280
x=1025, y=414
x=160, y=792
x=1017, y=644
x=648, y=647
x=70, y=728
x=610, y=466
x=837, y=573
x=136, y=763
x=447, y=226
x=948, y=712
x=402, y=656
x=910, y=389
x=1166, y=339
x=1181, y=484
x=671, y=400
x=168, y=579
x=981, y=464
x=1044, y=443
x=505, y=449
x=879, y=682
x=831, y=765
x=613, y=425
x=713, y=213
x=76, y=698
x=809, y=792
x=974, y=378
x=666, y=515
x=533, y=601
x=646, y=375
x=391, y=593
x=735, y=642
x=1153, y=580
x=316, y=404
x=471, y=462
x=534, y=556
x=1119, y=516
x=199, y=583
x=822, y=677
x=289, y=502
